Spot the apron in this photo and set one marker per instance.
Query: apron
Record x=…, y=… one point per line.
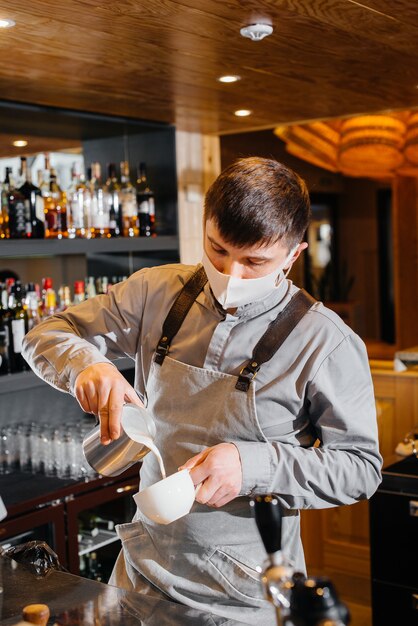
x=209, y=559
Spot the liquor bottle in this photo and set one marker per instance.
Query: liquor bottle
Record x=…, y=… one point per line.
x=4, y=332
x=50, y=303
x=146, y=204
x=45, y=178
x=129, y=207
x=90, y=287
x=64, y=295
x=94, y=567
x=33, y=305
x=79, y=206
x=112, y=191
x=99, y=209
x=55, y=208
x=102, y=285
x=18, y=327
x=46, y=284
x=34, y=226
x=16, y=210
x=4, y=207
x=79, y=291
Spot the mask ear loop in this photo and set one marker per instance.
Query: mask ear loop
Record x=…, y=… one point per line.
x=282, y=276
x=286, y=273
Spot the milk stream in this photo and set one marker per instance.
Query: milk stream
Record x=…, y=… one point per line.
x=147, y=441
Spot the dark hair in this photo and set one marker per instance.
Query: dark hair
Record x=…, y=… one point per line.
x=258, y=200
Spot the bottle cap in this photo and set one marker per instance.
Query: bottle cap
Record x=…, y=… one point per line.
x=47, y=283
x=36, y=614
x=79, y=286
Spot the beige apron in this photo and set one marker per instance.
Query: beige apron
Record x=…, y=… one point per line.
x=209, y=558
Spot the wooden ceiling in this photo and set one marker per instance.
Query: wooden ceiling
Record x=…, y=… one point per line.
x=160, y=59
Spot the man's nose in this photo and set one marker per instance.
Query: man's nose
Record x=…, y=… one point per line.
x=232, y=268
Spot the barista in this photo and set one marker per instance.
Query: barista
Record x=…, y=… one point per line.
x=240, y=427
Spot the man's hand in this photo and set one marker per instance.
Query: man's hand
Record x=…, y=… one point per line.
x=101, y=389
x=219, y=470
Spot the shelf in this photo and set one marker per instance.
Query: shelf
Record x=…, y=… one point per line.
x=53, y=247
x=28, y=380
x=23, y=492
x=103, y=538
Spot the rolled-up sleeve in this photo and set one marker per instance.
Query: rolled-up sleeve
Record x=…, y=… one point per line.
x=98, y=330
x=346, y=465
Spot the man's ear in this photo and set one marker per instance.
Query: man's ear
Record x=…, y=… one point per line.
x=301, y=247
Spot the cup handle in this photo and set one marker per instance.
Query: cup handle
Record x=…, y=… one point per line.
x=196, y=489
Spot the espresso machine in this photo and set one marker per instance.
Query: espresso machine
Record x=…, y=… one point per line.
x=298, y=600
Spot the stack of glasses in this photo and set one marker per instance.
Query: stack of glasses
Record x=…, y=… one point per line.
x=41, y=448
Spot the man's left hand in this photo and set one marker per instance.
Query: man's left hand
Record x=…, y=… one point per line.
x=219, y=470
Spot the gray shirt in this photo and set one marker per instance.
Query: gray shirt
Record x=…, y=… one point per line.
x=318, y=411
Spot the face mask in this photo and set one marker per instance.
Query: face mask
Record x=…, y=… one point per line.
x=233, y=292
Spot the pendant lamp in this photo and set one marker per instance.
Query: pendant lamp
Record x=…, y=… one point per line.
x=373, y=146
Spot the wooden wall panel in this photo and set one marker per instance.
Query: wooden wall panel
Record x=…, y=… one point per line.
x=198, y=164
x=337, y=540
x=405, y=232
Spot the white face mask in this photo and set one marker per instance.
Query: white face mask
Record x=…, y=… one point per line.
x=232, y=292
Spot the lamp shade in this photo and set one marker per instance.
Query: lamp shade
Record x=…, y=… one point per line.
x=316, y=143
x=411, y=139
x=373, y=146
x=371, y=143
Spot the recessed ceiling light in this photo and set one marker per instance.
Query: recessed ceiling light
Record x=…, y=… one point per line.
x=242, y=112
x=7, y=23
x=20, y=143
x=229, y=79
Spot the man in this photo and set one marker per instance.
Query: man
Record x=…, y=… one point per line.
x=240, y=426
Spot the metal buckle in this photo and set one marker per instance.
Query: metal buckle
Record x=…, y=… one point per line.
x=251, y=368
x=161, y=350
x=246, y=375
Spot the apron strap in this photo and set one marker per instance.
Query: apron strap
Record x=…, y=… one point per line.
x=181, y=306
x=277, y=332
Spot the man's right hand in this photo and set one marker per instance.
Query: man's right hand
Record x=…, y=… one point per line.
x=101, y=389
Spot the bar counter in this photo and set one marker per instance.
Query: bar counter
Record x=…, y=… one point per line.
x=75, y=601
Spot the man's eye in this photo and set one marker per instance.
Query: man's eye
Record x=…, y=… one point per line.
x=218, y=250
x=255, y=263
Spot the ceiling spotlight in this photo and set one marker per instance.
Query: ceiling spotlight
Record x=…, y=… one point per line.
x=7, y=23
x=256, y=32
x=229, y=79
x=20, y=143
x=242, y=113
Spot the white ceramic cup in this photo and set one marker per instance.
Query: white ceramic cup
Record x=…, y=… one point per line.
x=169, y=499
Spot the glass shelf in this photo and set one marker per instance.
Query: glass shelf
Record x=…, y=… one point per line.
x=52, y=247
x=90, y=544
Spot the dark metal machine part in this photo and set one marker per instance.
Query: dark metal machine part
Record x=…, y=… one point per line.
x=299, y=601
x=393, y=553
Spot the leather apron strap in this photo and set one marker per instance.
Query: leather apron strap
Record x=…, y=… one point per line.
x=277, y=332
x=176, y=315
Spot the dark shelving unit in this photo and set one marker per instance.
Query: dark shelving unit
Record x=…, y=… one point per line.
x=49, y=508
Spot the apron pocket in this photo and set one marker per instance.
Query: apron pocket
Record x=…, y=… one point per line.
x=240, y=580
x=129, y=531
